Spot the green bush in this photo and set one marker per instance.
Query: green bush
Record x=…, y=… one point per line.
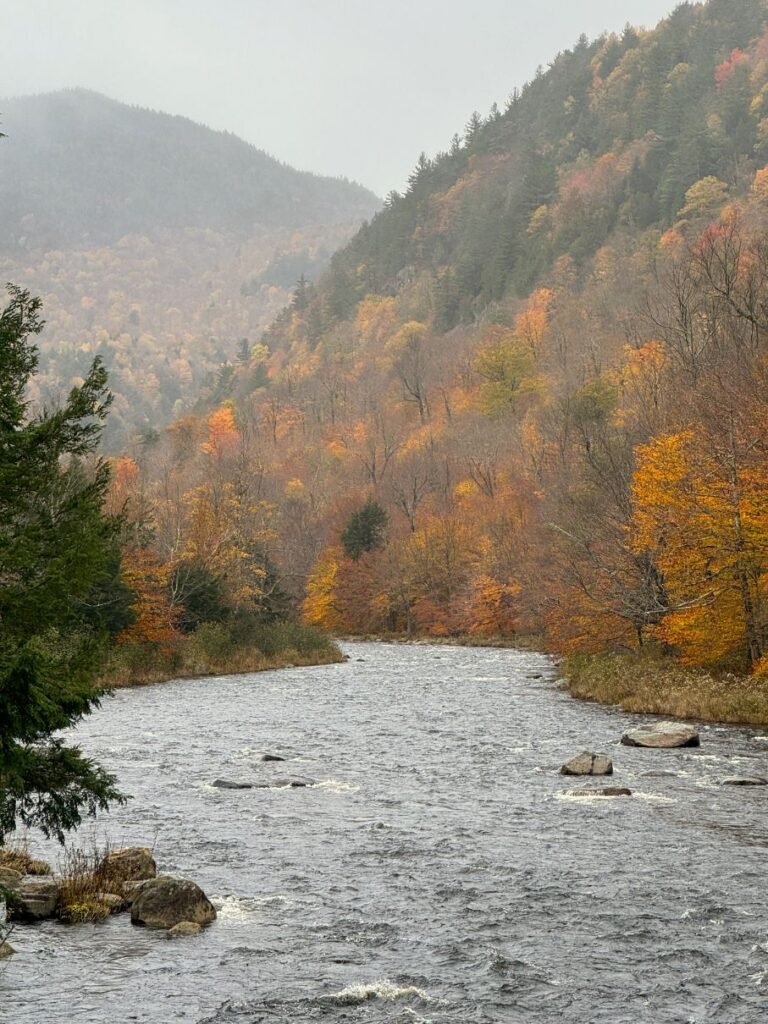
x=214, y=641
x=276, y=637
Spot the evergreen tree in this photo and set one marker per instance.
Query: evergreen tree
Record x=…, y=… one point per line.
x=57, y=565
x=364, y=530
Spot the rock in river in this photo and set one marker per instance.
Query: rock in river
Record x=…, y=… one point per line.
x=746, y=780
x=272, y=757
x=662, y=735
x=34, y=900
x=587, y=763
x=600, y=791
x=165, y=902
x=226, y=784
x=184, y=929
x=131, y=864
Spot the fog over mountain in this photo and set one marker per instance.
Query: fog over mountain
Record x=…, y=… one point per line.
x=80, y=169
x=337, y=87
x=157, y=244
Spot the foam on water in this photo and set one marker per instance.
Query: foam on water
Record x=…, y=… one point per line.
x=353, y=995
x=333, y=786
x=240, y=907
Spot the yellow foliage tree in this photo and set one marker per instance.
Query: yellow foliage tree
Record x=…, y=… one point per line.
x=321, y=605
x=701, y=508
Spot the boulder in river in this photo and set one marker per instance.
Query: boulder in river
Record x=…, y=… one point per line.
x=6, y=949
x=34, y=899
x=131, y=864
x=601, y=791
x=746, y=780
x=662, y=735
x=228, y=784
x=165, y=902
x=272, y=757
x=588, y=763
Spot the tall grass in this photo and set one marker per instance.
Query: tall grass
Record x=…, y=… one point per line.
x=16, y=856
x=650, y=683
x=217, y=649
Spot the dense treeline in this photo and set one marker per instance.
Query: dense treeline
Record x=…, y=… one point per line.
x=529, y=397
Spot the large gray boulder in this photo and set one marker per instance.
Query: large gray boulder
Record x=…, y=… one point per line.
x=131, y=864
x=588, y=763
x=662, y=735
x=34, y=899
x=165, y=902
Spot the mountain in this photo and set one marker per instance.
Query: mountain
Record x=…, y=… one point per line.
x=80, y=170
x=530, y=395
x=560, y=334
x=157, y=244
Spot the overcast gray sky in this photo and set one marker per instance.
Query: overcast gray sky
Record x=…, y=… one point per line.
x=351, y=87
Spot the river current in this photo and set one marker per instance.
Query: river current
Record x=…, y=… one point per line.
x=434, y=871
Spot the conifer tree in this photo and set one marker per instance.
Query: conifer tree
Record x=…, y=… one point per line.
x=364, y=530
x=57, y=560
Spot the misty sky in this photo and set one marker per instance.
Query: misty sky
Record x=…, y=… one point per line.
x=351, y=87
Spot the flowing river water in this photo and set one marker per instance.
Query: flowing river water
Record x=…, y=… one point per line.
x=435, y=872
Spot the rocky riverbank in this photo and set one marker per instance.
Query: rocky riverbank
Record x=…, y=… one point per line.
x=92, y=890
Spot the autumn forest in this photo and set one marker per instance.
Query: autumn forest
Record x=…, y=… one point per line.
x=527, y=401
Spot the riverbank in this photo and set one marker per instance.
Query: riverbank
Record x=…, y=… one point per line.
x=514, y=643
x=211, y=653
x=653, y=685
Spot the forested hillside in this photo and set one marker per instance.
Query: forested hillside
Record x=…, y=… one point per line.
x=530, y=396
x=156, y=243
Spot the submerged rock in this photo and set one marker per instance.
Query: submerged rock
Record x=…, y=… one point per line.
x=184, y=929
x=131, y=864
x=588, y=763
x=226, y=784
x=746, y=780
x=165, y=902
x=662, y=735
x=35, y=899
x=286, y=784
x=601, y=791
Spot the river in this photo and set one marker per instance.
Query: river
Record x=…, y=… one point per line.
x=435, y=872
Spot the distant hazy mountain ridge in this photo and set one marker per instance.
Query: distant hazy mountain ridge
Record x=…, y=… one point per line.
x=157, y=244
x=79, y=169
